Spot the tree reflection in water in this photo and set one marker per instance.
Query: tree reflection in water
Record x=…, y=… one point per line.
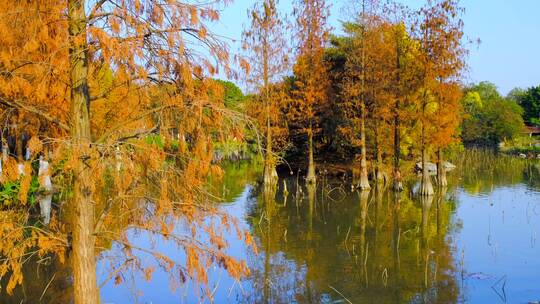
x=330, y=244
x=373, y=246
x=45, y=280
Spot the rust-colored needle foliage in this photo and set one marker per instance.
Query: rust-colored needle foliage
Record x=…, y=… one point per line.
x=265, y=43
x=119, y=93
x=439, y=31
x=310, y=72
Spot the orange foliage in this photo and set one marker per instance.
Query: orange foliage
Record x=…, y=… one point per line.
x=311, y=83
x=154, y=114
x=440, y=33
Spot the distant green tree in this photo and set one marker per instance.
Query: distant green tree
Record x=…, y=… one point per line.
x=515, y=94
x=489, y=118
x=232, y=95
x=486, y=90
x=529, y=100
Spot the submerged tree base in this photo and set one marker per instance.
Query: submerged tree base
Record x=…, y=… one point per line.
x=426, y=187
x=270, y=177
x=363, y=184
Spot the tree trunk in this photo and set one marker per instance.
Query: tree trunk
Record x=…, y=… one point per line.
x=19, y=142
x=379, y=174
x=270, y=175
x=5, y=150
x=83, y=258
x=311, y=177
x=441, y=170
x=396, y=176
x=363, y=183
x=398, y=186
x=45, y=182
x=426, y=188
x=19, y=149
x=5, y=154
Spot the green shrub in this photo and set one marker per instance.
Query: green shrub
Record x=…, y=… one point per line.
x=9, y=192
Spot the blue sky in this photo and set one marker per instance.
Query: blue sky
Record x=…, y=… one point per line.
x=509, y=54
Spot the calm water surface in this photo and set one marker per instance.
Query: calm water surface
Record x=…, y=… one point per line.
x=476, y=242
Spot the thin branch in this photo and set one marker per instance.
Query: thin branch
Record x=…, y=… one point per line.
x=124, y=123
x=34, y=110
x=96, y=7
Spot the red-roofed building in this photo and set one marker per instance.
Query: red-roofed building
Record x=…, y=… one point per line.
x=532, y=130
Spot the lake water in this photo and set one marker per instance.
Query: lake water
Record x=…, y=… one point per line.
x=478, y=241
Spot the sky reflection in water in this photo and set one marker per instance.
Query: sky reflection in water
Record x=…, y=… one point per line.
x=477, y=242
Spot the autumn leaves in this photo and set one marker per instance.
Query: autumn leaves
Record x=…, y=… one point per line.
x=386, y=89
x=123, y=93
x=94, y=80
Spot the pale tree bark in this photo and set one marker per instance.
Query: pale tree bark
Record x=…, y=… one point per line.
x=426, y=187
x=441, y=170
x=83, y=257
x=364, y=182
x=311, y=177
x=45, y=182
x=19, y=149
x=270, y=177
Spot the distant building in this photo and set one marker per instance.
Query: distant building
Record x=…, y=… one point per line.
x=532, y=131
